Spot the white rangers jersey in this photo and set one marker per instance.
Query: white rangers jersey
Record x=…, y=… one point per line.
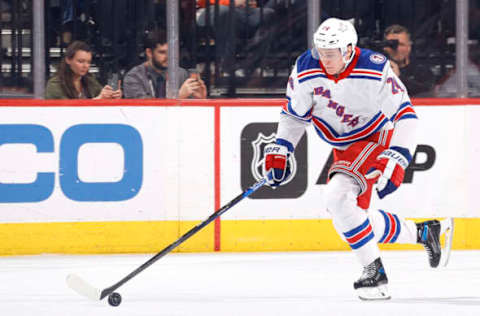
x=364, y=99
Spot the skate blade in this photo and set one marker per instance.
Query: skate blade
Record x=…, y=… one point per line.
x=447, y=228
x=378, y=293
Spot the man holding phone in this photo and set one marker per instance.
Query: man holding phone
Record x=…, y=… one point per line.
x=148, y=80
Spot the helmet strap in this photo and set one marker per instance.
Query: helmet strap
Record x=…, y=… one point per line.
x=344, y=52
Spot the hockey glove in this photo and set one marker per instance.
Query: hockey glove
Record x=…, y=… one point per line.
x=276, y=167
x=390, y=169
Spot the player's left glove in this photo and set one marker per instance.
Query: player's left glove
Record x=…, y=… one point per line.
x=390, y=169
x=276, y=167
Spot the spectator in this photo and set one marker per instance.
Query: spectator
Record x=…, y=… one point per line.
x=418, y=78
x=73, y=81
x=247, y=20
x=5, y=11
x=70, y=7
x=148, y=80
x=246, y=13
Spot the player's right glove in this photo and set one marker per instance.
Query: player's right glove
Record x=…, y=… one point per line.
x=276, y=167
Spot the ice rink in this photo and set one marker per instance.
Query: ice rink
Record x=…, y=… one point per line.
x=294, y=283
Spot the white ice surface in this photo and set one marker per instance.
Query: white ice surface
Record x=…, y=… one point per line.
x=294, y=283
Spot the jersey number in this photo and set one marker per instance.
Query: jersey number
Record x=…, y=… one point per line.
x=396, y=88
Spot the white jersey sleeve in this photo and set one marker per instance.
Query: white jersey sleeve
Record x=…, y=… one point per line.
x=299, y=96
x=395, y=103
x=297, y=112
x=404, y=135
x=393, y=97
x=291, y=130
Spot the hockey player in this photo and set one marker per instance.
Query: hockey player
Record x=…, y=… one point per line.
x=359, y=106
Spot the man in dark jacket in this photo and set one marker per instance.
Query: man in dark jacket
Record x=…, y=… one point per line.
x=418, y=78
x=148, y=80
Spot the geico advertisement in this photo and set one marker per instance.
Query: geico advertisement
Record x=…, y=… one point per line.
x=438, y=182
x=91, y=164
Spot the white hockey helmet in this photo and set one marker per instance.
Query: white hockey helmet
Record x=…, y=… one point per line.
x=336, y=33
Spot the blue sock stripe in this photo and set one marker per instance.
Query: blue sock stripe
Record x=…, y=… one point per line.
x=387, y=226
x=363, y=241
x=399, y=228
x=357, y=229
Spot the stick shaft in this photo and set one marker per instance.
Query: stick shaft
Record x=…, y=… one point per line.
x=184, y=237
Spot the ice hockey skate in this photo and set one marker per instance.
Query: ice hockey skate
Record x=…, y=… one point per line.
x=428, y=234
x=372, y=285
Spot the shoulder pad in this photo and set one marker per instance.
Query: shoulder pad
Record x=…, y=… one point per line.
x=371, y=60
x=306, y=62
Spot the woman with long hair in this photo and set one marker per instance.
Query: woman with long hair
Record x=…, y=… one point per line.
x=72, y=80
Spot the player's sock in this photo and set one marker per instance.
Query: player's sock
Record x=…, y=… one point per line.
x=372, y=285
x=391, y=228
x=362, y=240
x=428, y=234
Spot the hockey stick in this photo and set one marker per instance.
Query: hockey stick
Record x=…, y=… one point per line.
x=85, y=289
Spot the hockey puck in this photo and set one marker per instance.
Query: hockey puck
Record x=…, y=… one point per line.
x=114, y=299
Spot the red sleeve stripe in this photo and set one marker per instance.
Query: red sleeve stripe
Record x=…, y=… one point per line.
x=369, y=72
x=404, y=112
x=310, y=72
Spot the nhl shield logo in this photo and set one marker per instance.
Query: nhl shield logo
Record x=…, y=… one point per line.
x=256, y=166
x=253, y=139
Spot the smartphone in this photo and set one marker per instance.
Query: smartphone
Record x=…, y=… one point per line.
x=194, y=74
x=113, y=81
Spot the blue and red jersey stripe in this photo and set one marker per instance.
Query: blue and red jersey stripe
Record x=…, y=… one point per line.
x=310, y=74
x=404, y=111
x=288, y=109
x=327, y=133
